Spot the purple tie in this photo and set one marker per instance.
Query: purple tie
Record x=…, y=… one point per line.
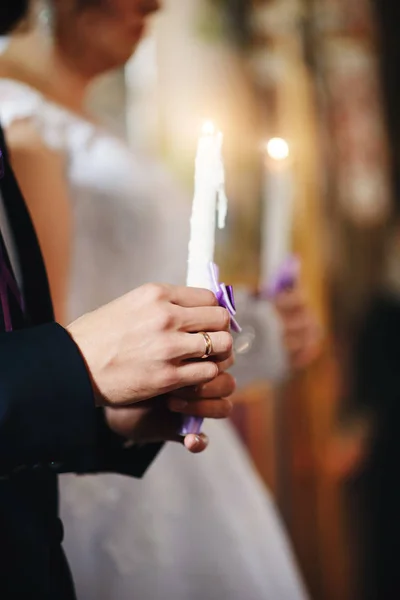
x=10, y=296
x=9, y=291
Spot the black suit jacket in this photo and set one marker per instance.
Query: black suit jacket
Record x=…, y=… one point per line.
x=48, y=425
x=377, y=489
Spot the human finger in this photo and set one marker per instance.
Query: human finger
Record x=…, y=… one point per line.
x=205, y=318
x=193, y=373
x=190, y=297
x=203, y=344
x=291, y=301
x=196, y=443
x=211, y=408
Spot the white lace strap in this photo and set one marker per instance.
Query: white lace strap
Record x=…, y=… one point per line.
x=15, y=104
x=19, y=102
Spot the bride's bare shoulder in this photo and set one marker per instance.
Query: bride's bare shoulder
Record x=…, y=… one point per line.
x=30, y=156
x=23, y=136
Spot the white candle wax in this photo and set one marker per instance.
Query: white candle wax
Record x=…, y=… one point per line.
x=277, y=210
x=209, y=197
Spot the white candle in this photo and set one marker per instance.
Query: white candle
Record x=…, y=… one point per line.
x=277, y=209
x=209, y=199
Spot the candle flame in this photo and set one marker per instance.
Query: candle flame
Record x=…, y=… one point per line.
x=278, y=149
x=208, y=128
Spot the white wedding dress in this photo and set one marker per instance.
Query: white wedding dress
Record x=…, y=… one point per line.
x=194, y=528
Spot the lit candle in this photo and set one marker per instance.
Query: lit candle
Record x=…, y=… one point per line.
x=277, y=209
x=209, y=200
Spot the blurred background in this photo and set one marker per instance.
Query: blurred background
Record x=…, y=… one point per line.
x=323, y=76
x=306, y=93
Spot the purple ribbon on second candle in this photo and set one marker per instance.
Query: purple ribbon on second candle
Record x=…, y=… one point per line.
x=225, y=297
x=284, y=279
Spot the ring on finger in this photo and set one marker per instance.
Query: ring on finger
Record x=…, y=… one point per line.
x=209, y=346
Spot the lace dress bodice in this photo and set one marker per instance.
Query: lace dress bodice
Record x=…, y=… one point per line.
x=131, y=222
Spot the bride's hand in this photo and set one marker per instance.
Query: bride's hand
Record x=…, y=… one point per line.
x=302, y=334
x=160, y=419
x=146, y=344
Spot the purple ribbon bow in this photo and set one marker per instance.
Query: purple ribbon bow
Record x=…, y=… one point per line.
x=225, y=297
x=284, y=279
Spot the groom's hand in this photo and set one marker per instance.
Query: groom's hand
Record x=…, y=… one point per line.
x=160, y=419
x=147, y=343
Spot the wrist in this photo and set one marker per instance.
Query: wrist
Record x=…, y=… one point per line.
x=74, y=331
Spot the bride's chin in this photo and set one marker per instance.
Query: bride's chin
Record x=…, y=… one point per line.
x=103, y=62
x=122, y=55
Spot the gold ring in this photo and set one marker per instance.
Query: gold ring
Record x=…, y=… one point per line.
x=209, y=346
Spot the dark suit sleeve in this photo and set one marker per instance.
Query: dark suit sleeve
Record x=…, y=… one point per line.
x=47, y=410
x=376, y=360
